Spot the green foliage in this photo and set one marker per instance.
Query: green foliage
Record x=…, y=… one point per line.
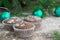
x=44, y=15
x=56, y=35
x=15, y=6
x=7, y=4
x=20, y=15
x=41, y=4
x=23, y=15
x=0, y=2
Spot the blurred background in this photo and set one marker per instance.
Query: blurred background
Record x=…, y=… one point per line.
x=18, y=7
